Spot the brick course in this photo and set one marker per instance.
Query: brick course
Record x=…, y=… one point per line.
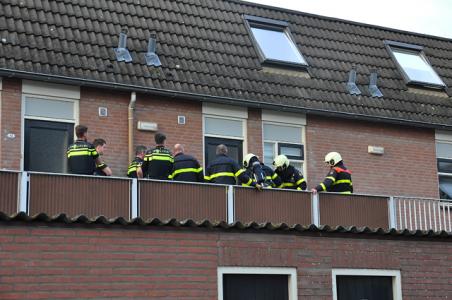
x=73, y=262
x=408, y=166
x=10, y=119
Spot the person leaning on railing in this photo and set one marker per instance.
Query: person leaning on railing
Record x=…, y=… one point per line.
x=82, y=155
x=338, y=179
x=134, y=169
x=291, y=177
x=158, y=162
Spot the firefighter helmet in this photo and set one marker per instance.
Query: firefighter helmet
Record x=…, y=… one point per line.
x=247, y=159
x=333, y=158
x=281, y=161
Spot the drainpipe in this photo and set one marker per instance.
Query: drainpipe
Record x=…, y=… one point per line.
x=133, y=99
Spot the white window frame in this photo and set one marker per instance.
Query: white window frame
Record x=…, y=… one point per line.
x=287, y=119
x=226, y=112
x=290, y=272
x=47, y=91
x=395, y=274
x=444, y=137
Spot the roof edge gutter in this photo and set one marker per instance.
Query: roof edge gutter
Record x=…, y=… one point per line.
x=208, y=98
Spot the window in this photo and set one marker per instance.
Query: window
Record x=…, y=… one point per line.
x=283, y=139
x=242, y=283
x=223, y=125
x=414, y=65
x=366, y=284
x=444, y=163
x=274, y=42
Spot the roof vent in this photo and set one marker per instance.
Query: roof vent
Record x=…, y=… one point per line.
x=352, y=88
x=122, y=54
x=373, y=89
x=151, y=57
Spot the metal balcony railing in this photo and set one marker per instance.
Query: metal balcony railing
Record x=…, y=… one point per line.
x=74, y=195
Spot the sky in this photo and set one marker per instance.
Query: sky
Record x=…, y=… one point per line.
x=433, y=17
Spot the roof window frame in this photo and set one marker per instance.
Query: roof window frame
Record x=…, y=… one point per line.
x=274, y=25
x=415, y=50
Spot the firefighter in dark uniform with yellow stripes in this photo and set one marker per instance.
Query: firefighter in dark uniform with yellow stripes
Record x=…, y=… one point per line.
x=291, y=177
x=338, y=179
x=186, y=167
x=225, y=170
x=158, y=162
x=134, y=169
x=260, y=173
x=82, y=156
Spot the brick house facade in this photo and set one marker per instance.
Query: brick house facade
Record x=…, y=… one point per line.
x=181, y=263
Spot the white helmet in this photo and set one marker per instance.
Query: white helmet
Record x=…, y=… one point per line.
x=247, y=158
x=281, y=161
x=333, y=158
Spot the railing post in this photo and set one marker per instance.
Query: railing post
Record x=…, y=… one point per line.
x=231, y=212
x=134, y=198
x=23, y=193
x=315, y=211
x=392, y=213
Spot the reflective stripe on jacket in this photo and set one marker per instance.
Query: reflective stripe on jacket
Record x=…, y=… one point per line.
x=158, y=163
x=186, y=168
x=338, y=180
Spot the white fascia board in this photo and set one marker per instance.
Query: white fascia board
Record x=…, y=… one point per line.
x=50, y=89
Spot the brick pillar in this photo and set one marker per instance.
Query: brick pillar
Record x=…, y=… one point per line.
x=254, y=128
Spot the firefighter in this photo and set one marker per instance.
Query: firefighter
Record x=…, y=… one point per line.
x=101, y=168
x=186, y=167
x=158, y=162
x=134, y=169
x=82, y=156
x=225, y=170
x=338, y=179
x=291, y=178
x=261, y=173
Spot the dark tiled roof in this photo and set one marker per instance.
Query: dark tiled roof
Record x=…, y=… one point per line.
x=206, y=50
x=237, y=226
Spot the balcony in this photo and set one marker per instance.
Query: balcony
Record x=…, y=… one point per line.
x=53, y=194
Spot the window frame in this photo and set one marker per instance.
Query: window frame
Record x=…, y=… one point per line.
x=273, y=25
x=277, y=147
x=415, y=50
x=444, y=138
x=290, y=272
x=395, y=274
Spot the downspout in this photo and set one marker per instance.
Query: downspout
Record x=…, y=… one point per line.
x=133, y=99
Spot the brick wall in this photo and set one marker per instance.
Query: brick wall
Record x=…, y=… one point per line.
x=254, y=129
x=164, y=112
x=408, y=166
x=10, y=119
x=57, y=262
x=113, y=128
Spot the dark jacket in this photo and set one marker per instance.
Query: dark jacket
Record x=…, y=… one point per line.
x=158, y=163
x=291, y=179
x=134, y=165
x=271, y=177
x=186, y=168
x=81, y=157
x=225, y=170
x=338, y=180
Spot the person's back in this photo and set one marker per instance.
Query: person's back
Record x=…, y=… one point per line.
x=185, y=167
x=222, y=169
x=82, y=155
x=338, y=179
x=158, y=162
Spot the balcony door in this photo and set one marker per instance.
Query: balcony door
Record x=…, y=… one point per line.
x=45, y=144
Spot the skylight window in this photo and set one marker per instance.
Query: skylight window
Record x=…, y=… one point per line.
x=414, y=65
x=274, y=42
